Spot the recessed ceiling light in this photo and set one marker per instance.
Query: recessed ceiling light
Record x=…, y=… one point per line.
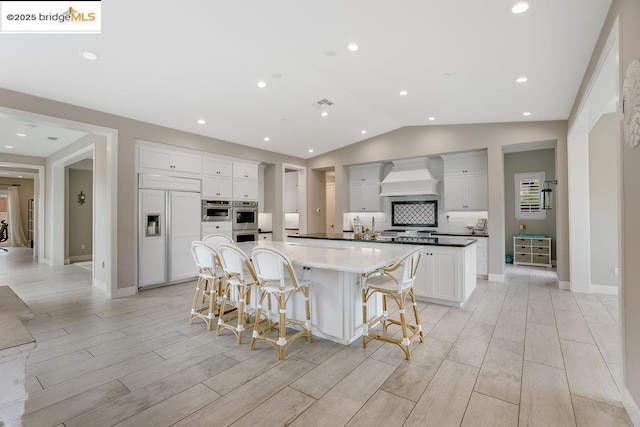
x=311, y=150
x=353, y=47
x=520, y=7
x=8, y=146
x=526, y=113
x=363, y=131
x=262, y=84
x=19, y=176
x=89, y=56
x=267, y=139
x=201, y=121
x=324, y=114
x=21, y=134
x=403, y=93
x=522, y=79
x=431, y=118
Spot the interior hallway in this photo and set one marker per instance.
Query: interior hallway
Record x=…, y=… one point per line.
x=519, y=352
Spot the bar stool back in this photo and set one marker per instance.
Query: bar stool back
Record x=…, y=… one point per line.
x=205, y=258
x=216, y=240
x=395, y=281
x=240, y=277
x=277, y=279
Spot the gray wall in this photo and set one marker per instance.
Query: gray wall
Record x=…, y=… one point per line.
x=628, y=11
x=603, y=200
x=528, y=161
x=80, y=216
x=431, y=141
x=128, y=131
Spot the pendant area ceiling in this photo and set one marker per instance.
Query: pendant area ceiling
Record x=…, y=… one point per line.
x=458, y=62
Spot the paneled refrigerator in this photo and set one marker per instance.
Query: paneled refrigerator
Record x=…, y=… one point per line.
x=169, y=222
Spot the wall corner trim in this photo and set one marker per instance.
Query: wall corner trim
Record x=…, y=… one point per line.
x=604, y=289
x=100, y=285
x=631, y=406
x=496, y=277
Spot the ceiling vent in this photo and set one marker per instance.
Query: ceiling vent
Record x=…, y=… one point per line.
x=323, y=103
x=52, y=138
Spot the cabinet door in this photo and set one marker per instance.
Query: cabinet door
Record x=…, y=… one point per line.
x=370, y=197
x=245, y=171
x=218, y=167
x=355, y=197
x=186, y=163
x=364, y=173
x=153, y=158
x=453, y=166
x=244, y=189
x=216, y=187
x=454, y=192
x=477, y=192
x=475, y=164
x=291, y=192
x=444, y=283
x=420, y=287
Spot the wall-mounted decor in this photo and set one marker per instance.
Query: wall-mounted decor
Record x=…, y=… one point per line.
x=631, y=104
x=81, y=198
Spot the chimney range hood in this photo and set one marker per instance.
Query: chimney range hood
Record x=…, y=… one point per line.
x=409, y=177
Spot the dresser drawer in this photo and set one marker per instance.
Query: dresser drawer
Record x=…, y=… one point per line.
x=523, y=257
x=540, y=242
x=526, y=242
x=540, y=259
x=523, y=249
x=540, y=250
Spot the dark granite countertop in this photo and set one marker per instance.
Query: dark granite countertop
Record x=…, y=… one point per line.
x=412, y=239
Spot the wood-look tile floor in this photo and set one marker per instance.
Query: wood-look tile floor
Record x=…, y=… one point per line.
x=519, y=353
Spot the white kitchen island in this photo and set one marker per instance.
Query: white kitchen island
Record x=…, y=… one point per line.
x=334, y=272
x=447, y=270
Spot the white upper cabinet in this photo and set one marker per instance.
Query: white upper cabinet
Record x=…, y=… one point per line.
x=169, y=160
x=364, y=188
x=245, y=189
x=217, y=166
x=453, y=164
x=465, y=182
x=245, y=170
x=216, y=187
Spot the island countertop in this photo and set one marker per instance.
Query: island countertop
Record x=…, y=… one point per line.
x=349, y=259
x=411, y=239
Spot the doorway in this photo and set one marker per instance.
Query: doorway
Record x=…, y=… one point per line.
x=330, y=203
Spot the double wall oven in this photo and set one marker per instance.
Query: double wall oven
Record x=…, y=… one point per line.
x=245, y=221
x=242, y=215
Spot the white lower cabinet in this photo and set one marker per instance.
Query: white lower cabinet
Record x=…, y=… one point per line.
x=439, y=270
x=222, y=227
x=482, y=257
x=265, y=236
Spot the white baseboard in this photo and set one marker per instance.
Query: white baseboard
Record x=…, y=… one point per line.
x=631, y=406
x=124, y=292
x=496, y=277
x=81, y=258
x=100, y=285
x=604, y=289
x=565, y=286
x=47, y=261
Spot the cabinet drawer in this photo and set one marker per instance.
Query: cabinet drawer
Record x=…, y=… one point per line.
x=523, y=258
x=523, y=242
x=540, y=250
x=540, y=242
x=540, y=259
x=524, y=249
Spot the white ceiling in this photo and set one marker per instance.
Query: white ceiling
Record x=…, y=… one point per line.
x=35, y=141
x=458, y=60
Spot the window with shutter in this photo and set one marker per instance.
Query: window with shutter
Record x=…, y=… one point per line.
x=528, y=187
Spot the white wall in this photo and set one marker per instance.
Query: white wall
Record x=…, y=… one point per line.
x=603, y=201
